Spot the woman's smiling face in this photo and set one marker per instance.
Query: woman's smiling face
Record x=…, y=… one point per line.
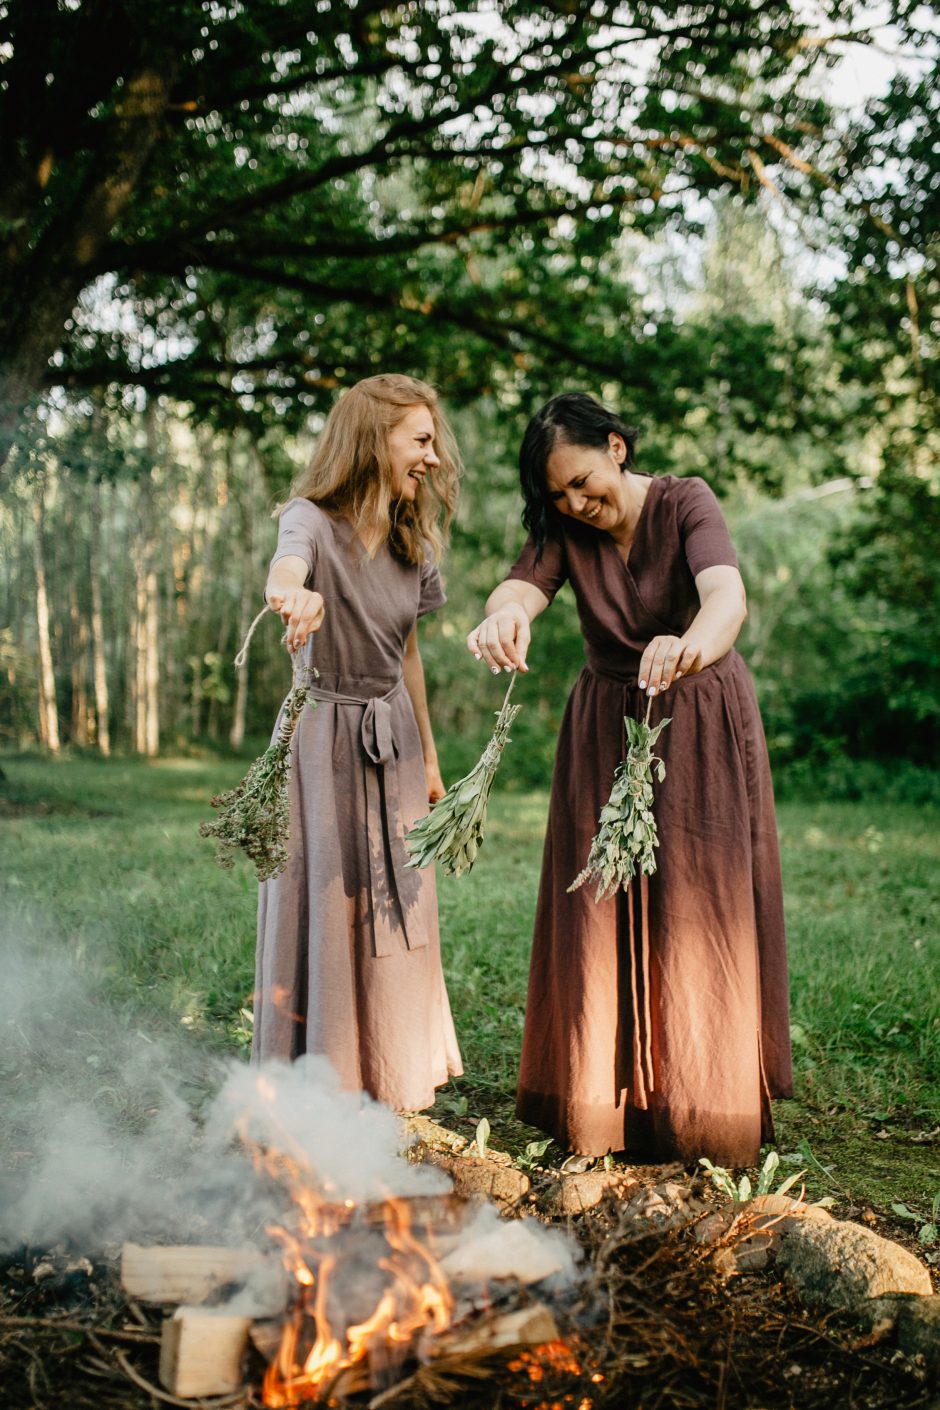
x=411, y=452
x=587, y=483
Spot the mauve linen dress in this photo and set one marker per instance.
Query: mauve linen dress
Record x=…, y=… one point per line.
x=657, y=1022
x=348, y=957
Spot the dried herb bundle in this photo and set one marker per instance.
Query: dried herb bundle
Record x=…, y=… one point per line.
x=452, y=833
x=626, y=840
x=255, y=815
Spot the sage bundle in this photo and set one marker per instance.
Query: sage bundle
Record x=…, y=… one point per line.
x=452, y=833
x=254, y=816
x=626, y=839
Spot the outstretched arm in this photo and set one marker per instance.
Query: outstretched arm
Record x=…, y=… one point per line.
x=301, y=610
x=711, y=633
x=502, y=638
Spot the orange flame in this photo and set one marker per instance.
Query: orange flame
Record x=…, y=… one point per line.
x=415, y=1299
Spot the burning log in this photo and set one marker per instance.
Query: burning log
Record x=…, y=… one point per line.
x=201, y=1352
x=196, y=1273
x=526, y=1326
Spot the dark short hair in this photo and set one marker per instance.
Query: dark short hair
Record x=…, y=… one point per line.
x=572, y=418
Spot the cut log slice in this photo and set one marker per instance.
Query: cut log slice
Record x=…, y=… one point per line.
x=196, y=1273
x=201, y=1352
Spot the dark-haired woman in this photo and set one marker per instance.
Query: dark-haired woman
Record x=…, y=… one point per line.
x=657, y=1021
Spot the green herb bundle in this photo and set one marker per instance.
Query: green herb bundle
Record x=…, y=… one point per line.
x=255, y=815
x=452, y=833
x=626, y=840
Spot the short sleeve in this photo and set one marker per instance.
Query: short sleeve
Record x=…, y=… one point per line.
x=432, y=593
x=549, y=573
x=702, y=526
x=298, y=529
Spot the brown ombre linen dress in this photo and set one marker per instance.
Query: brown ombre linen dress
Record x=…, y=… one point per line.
x=657, y=1023
x=348, y=958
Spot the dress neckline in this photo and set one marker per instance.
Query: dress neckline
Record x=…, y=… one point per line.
x=626, y=558
x=354, y=541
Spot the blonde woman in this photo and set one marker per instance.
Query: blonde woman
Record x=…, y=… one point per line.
x=348, y=959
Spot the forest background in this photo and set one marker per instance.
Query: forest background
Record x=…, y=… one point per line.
x=215, y=216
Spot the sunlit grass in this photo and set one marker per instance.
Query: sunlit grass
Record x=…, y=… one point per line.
x=105, y=859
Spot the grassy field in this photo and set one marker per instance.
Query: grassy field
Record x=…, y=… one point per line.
x=101, y=864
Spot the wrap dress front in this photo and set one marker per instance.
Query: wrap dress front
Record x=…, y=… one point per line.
x=348, y=956
x=657, y=1021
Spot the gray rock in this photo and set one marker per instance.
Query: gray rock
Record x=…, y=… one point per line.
x=477, y=1175
x=843, y=1266
x=573, y=1194
x=918, y=1323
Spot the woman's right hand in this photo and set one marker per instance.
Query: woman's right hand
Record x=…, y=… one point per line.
x=301, y=611
x=502, y=639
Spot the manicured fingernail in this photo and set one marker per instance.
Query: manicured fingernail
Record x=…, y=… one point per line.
x=663, y=686
x=652, y=690
x=477, y=656
x=642, y=685
x=495, y=670
x=678, y=675
x=507, y=668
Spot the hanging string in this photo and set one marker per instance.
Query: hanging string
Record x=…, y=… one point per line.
x=302, y=671
x=242, y=656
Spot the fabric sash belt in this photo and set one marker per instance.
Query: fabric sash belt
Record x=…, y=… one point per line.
x=393, y=888
x=643, y=1077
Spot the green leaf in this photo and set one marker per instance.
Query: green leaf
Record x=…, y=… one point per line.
x=482, y=1136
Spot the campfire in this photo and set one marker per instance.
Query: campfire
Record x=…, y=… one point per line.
x=347, y=1296
x=343, y=1275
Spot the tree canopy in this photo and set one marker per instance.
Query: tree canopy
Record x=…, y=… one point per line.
x=264, y=201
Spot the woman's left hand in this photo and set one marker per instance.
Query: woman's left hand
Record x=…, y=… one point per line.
x=665, y=660
x=435, y=783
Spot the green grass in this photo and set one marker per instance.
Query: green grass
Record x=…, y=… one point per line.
x=102, y=861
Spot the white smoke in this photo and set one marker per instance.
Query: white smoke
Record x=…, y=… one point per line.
x=113, y=1130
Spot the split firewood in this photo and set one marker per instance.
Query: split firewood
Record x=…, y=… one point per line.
x=526, y=1326
x=201, y=1352
x=194, y=1273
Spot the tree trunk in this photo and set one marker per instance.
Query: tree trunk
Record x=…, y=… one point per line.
x=48, y=710
x=99, y=663
x=47, y=277
x=236, y=737
x=78, y=653
x=152, y=664
x=243, y=494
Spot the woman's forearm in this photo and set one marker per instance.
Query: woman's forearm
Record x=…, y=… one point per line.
x=716, y=625
x=515, y=593
x=286, y=573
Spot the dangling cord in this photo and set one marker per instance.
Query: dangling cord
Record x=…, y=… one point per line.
x=242, y=656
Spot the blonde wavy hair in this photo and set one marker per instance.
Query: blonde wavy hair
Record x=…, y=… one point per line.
x=350, y=473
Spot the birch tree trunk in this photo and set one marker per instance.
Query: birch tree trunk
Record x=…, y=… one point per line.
x=99, y=661
x=236, y=737
x=78, y=652
x=152, y=663
x=244, y=488
x=48, y=710
x=146, y=640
